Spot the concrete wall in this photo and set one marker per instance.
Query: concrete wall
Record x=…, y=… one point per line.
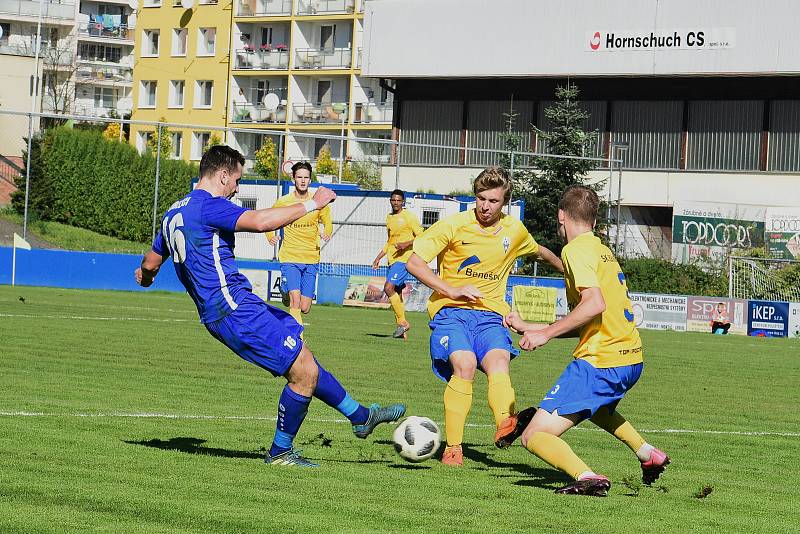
x=15, y=96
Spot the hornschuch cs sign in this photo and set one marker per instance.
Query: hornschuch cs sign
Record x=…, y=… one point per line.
x=670, y=39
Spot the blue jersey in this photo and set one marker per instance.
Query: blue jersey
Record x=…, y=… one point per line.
x=198, y=232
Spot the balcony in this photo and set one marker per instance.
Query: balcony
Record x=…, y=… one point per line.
x=258, y=59
x=323, y=58
x=250, y=113
x=123, y=32
x=325, y=7
x=103, y=73
x=26, y=8
x=263, y=8
x=371, y=113
x=330, y=113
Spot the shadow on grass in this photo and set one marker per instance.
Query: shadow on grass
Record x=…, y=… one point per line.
x=539, y=477
x=379, y=335
x=195, y=446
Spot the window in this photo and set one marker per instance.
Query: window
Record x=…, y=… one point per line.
x=142, y=139
x=199, y=142
x=150, y=43
x=176, y=88
x=105, y=97
x=179, y=41
x=99, y=52
x=248, y=203
x=266, y=35
x=5, y=31
x=177, y=145
x=152, y=3
x=203, y=93
x=262, y=88
x=206, y=43
x=430, y=217
x=147, y=94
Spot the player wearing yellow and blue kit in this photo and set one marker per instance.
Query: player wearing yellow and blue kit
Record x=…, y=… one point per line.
x=197, y=232
x=402, y=227
x=607, y=361
x=476, y=251
x=300, y=246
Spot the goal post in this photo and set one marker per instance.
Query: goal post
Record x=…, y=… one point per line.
x=764, y=279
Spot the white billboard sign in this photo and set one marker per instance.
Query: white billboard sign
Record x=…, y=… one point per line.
x=659, y=312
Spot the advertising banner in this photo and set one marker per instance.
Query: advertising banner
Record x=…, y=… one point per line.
x=704, y=231
x=782, y=233
x=536, y=304
x=700, y=310
x=768, y=319
x=794, y=319
x=266, y=284
x=659, y=312
x=367, y=291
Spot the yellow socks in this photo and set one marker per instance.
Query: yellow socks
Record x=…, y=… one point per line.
x=398, y=308
x=617, y=425
x=557, y=453
x=457, y=402
x=501, y=396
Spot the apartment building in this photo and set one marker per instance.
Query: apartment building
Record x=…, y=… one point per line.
x=269, y=65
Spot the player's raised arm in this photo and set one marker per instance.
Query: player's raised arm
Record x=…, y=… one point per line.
x=273, y=218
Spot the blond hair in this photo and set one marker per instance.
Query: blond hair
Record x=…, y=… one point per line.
x=492, y=178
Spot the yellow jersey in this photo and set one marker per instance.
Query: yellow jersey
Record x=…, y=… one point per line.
x=471, y=254
x=401, y=227
x=301, y=241
x=610, y=339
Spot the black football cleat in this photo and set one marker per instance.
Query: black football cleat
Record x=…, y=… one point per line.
x=512, y=427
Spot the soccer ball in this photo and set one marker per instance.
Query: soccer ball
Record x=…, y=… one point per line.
x=416, y=439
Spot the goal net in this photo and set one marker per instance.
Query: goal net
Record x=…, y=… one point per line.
x=764, y=279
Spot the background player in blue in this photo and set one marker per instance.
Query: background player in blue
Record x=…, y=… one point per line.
x=198, y=233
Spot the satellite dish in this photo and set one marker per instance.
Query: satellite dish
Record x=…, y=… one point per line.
x=271, y=101
x=187, y=4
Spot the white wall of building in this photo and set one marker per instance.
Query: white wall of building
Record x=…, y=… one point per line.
x=463, y=38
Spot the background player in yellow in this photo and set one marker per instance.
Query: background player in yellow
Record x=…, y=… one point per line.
x=608, y=358
x=476, y=251
x=299, y=252
x=401, y=226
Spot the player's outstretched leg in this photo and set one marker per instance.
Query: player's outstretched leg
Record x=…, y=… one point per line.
x=653, y=460
x=364, y=420
x=512, y=428
x=396, y=301
x=292, y=410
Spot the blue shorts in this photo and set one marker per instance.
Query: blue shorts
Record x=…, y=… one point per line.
x=397, y=274
x=475, y=331
x=583, y=389
x=299, y=276
x=261, y=334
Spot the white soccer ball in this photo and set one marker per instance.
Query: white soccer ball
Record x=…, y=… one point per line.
x=416, y=439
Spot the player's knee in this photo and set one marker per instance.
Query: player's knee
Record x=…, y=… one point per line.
x=306, y=372
x=465, y=370
x=388, y=288
x=305, y=308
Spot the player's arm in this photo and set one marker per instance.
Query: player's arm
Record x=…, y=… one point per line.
x=384, y=250
x=416, y=230
x=270, y=219
x=422, y=272
x=547, y=256
x=591, y=305
x=327, y=223
x=147, y=271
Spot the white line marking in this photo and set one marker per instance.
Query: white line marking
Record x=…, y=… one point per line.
x=88, y=318
x=341, y=421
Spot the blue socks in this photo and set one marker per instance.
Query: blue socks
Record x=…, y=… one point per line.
x=292, y=409
x=331, y=392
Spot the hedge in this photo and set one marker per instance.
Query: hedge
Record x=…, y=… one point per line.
x=81, y=179
x=648, y=275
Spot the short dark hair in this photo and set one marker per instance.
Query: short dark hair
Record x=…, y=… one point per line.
x=398, y=192
x=580, y=203
x=220, y=157
x=301, y=165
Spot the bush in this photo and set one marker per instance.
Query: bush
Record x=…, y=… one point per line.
x=648, y=275
x=367, y=174
x=266, y=165
x=81, y=179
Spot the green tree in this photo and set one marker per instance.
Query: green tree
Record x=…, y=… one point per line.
x=325, y=163
x=366, y=174
x=541, y=188
x=166, y=141
x=214, y=140
x=266, y=160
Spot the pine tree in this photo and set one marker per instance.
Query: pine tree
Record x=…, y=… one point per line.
x=541, y=188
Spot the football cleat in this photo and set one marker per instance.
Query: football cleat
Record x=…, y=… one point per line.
x=378, y=415
x=595, y=486
x=284, y=294
x=402, y=331
x=453, y=456
x=652, y=468
x=290, y=457
x=512, y=427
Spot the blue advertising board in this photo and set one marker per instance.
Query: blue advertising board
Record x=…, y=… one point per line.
x=768, y=319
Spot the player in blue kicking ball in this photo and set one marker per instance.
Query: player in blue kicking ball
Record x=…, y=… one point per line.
x=197, y=232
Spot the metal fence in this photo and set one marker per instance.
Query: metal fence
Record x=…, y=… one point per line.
x=352, y=159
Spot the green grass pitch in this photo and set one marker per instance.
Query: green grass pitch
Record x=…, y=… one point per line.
x=118, y=412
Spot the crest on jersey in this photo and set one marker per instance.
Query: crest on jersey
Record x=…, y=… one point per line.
x=506, y=243
x=444, y=341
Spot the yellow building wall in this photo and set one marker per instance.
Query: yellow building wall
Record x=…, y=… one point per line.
x=190, y=68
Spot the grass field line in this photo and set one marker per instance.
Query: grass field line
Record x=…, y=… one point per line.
x=90, y=318
x=343, y=421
